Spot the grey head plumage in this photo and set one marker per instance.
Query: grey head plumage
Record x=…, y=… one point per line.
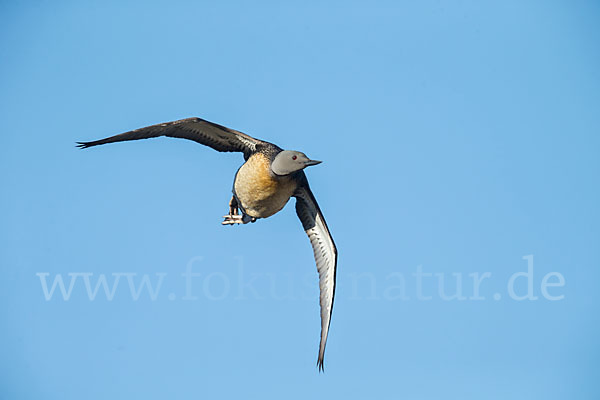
x=287, y=162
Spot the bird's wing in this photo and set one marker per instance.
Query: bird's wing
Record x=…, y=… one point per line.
x=204, y=132
x=325, y=256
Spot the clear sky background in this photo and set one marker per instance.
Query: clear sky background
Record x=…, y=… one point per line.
x=457, y=138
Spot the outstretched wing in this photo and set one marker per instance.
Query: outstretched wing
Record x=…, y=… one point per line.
x=204, y=132
x=325, y=256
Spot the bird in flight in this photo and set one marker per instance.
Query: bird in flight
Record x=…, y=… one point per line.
x=262, y=186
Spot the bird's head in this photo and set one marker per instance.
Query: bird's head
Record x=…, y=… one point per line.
x=290, y=161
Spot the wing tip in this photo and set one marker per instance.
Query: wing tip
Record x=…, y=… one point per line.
x=321, y=359
x=83, y=145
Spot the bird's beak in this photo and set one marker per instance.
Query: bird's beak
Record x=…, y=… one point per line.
x=312, y=162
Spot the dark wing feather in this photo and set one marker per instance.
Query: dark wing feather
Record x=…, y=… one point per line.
x=204, y=132
x=325, y=256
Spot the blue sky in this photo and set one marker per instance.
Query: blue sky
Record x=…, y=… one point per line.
x=457, y=139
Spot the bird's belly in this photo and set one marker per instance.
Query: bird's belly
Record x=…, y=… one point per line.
x=259, y=193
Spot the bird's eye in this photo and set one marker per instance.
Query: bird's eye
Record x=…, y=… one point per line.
x=294, y=157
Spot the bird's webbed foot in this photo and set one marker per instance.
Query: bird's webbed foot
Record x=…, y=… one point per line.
x=234, y=216
x=235, y=219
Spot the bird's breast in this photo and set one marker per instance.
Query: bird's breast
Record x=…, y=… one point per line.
x=260, y=193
